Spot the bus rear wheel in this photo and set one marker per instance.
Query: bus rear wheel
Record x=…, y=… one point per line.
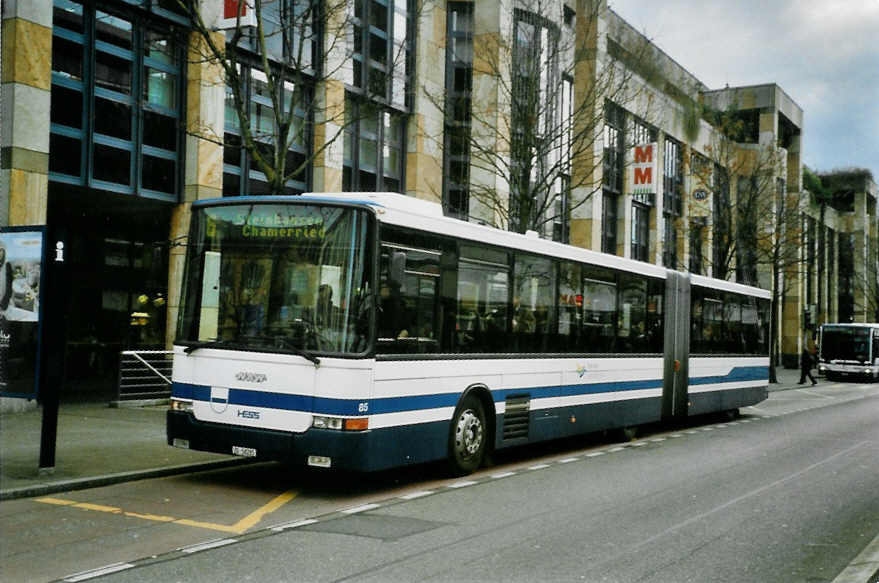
x=467, y=437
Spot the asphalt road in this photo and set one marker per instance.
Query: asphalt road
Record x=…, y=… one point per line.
x=789, y=492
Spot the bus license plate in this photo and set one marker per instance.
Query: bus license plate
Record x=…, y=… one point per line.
x=243, y=451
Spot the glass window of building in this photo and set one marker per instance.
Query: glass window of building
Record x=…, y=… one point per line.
x=116, y=100
x=614, y=118
x=242, y=174
x=670, y=249
x=459, y=85
x=673, y=177
x=697, y=235
x=381, y=36
x=722, y=223
x=290, y=31
x=561, y=221
x=535, y=100
x=373, y=151
x=640, y=231
x=609, y=204
x=642, y=132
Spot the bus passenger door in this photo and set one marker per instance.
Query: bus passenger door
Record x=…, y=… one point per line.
x=675, y=399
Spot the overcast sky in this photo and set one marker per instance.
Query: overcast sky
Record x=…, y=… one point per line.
x=823, y=53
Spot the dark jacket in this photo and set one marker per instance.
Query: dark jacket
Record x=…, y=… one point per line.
x=7, y=293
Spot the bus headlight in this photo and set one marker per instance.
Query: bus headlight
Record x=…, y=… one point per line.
x=181, y=405
x=340, y=423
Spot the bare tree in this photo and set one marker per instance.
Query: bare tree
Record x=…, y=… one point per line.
x=538, y=138
x=756, y=218
x=840, y=190
x=297, y=49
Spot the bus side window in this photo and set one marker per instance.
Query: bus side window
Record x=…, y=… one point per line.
x=532, y=303
x=570, y=307
x=655, y=305
x=408, y=308
x=750, y=326
x=732, y=325
x=633, y=315
x=481, y=322
x=599, y=310
x=712, y=325
x=697, y=342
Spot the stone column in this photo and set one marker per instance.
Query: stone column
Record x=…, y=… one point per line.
x=329, y=109
x=587, y=199
x=490, y=121
x=24, y=121
x=424, y=155
x=793, y=300
x=205, y=100
x=861, y=232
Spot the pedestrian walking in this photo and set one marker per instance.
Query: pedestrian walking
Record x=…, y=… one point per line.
x=806, y=362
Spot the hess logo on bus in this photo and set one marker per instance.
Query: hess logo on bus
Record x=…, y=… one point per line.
x=251, y=377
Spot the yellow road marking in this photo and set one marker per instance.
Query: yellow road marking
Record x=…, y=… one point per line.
x=239, y=527
x=254, y=517
x=208, y=525
x=56, y=501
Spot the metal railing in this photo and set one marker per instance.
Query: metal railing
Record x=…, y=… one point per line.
x=144, y=375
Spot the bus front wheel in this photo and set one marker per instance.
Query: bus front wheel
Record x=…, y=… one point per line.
x=467, y=436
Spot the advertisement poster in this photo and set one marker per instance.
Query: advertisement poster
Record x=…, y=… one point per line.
x=21, y=270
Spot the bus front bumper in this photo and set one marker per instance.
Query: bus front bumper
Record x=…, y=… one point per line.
x=319, y=447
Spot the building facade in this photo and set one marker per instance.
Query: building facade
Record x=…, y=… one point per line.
x=547, y=115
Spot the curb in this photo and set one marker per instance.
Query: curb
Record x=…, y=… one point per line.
x=118, y=478
x=864, y=568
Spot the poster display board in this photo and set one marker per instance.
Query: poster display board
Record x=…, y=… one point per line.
x=22, y=260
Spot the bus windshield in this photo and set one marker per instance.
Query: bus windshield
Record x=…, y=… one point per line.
x=278, y=277
x=845, y=343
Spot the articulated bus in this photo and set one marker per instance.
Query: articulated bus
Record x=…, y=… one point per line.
x=849, y=350
x=368, y=331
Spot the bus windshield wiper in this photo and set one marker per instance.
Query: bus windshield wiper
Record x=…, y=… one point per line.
x=202, y=344
x=288, y=345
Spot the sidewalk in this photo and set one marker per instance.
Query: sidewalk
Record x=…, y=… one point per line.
x=98, y=445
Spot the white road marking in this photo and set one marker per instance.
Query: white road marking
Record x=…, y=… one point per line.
x=503, y=475
x=209, y=545
x=85, y=575
x=359, y=509
x=297, y=524
x=415, y=495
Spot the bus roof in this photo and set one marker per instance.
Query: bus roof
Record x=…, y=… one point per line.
x=407, y=211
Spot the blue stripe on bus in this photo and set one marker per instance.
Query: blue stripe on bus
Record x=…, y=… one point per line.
x=738, y=374
x=327, y=406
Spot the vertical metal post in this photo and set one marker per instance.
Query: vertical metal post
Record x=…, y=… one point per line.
x=52, y=345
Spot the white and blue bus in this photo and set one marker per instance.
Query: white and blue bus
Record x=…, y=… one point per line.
x=849, y=350
x=368, y=331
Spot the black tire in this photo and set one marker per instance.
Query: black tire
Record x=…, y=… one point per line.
x=468, y=437
x=625, y=434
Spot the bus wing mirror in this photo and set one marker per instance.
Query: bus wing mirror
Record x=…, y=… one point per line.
x=397, y=267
